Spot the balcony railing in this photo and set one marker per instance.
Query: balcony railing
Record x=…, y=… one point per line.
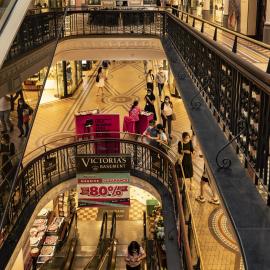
x=237, y=91
x=147, y=162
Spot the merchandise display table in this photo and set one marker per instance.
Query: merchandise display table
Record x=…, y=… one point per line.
x=93, y=125
x=143, y=122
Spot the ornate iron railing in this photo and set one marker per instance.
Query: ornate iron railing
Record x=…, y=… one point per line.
x=33, y=182
x=236, y=91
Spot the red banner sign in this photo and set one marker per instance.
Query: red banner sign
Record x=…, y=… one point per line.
x=111, y=189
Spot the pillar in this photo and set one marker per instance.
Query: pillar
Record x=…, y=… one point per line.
x=266, y=28
x=225, y=12
x=64, y=66
x=206, y=13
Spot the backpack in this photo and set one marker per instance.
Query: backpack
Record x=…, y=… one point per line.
x=97, y=78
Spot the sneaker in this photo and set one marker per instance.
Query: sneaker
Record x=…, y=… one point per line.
x=214, y=201
x=200, y=199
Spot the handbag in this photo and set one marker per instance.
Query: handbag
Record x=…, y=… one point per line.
x=173, y=117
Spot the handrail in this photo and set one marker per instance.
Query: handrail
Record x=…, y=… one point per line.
x=165, y=179
x=34, y=115
x=144, y=226
x=6, y=14
x=197, y=244
x=113, y=228
x=103, y=230
x=215, y=25
x=182, y=222
x=71, y=247
x=104, y=258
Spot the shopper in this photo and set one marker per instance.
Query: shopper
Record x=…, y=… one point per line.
x=13, y=98
x=24, y=112
x=100, y=81
x=150, y=80
x=204, y=181
x=135, y=255
x=174, y=6
x=185, y=151
x=5, y=107
x=7, y=150
x=145, y=65
x=105, y=65
x=150, y=101
x=162, y=138
x=130, y=121
x=161, y=79
x=166, y=114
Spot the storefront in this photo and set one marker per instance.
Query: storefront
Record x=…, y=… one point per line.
x=237, y=15
x=63, y=80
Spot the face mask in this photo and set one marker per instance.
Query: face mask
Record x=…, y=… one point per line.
x=148, y=94
x=20, y=103
x=166, y=100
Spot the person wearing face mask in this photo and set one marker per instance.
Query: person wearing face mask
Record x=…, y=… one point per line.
x=150, y=100
x=185, y=151
x=150, y=80
x=166, y=114
x=161, y=79
x=162, y=138
x=24, y=111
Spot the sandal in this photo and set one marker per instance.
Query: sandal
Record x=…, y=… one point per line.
x=214, y=201
x=200, y=199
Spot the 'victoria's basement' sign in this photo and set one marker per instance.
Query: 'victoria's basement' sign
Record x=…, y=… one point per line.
x=97, y=163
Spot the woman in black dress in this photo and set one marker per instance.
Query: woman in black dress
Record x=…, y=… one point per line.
x=149, y=106
x=185, y=150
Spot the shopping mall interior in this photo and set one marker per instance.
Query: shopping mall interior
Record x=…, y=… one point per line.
x=134, y=134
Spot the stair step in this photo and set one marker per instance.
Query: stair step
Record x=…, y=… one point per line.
x=80, y=262
x=120, y=263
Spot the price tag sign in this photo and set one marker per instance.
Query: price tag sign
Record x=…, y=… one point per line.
x=110, y=189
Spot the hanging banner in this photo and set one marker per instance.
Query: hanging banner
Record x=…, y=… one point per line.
x=110, y=189
x=100, y=163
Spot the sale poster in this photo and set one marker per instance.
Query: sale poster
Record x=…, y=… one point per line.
x=103, y=189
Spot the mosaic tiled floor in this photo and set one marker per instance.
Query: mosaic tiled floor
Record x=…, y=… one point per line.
x=126, y=81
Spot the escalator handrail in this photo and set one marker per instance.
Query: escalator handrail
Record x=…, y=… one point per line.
x=73, y=223
x=112, y=259
x=144, y=226
x=7, y=12
x=103, y=231
x=102, y=239
x=113, y=228
x=103, y=259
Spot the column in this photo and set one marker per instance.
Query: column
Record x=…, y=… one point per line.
x=225, y=12
x=206, y=13
x=64, y=65
x=266, y=29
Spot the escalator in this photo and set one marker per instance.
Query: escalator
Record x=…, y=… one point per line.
x=65, y=258
x=12, y=13
x=106, y=248
x=65, y=254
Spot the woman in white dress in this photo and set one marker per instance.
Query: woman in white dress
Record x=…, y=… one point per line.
x=100, y=81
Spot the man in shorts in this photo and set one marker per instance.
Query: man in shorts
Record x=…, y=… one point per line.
x=205, y=180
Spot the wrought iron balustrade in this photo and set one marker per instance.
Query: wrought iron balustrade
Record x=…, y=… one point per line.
x=33, y=182
x=237, y=92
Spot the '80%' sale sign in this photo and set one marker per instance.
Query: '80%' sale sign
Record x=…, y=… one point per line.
x=110, y=189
